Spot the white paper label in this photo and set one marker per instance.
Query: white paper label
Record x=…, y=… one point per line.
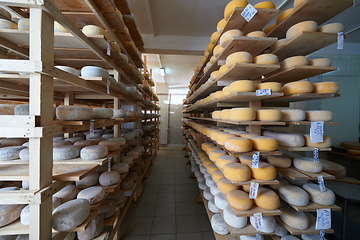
x=249, y=12
x=323, y=219
x=108, y=86
x=316, y=155
x=317, y=132
x=322, y=235
x=259, y=236
x=255, y=160
x=254, y=187
x=340, y=40
x=321, y=183
x=109, y=164
x=258, y=221
x=92, y=127
x=263, y=92
x=108, y=49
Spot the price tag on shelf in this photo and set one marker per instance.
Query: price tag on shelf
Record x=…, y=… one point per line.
x=92, y=127
x=254, y=187
x=255, y=160
x=108, y=86
x=322, y=235
x=340, y=40
x=316, y=155
x=259, y=236
x=321, y=183
x=317, y=132
x=323, y=219
x=263, y=92
x=258, y=221
x=249, y=12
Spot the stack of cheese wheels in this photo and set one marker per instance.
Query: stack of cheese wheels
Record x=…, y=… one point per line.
x=326, y=87
x=268, y=115
x=267, y=199
x=332, y=28
x=264, y=143
x=297, y=29
x=297, y=87
x=238, y=57
x=242, y=114
x=326, y=143
x=267, y=58
x=238, y=144
x=239, y=200
x=237, y=172
x=242, y=86
x=230, y=7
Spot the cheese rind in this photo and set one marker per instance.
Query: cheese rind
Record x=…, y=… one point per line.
x=268, y=115
x=297, y=87
x=242, y=114
x=269, y=28
x=326, y=87
x=237, y=172
x=267, y=58
x=238, y=144
x=10, y=213
x=279, y=161
x=267, y=199
x=220, y=25
x=222, y=137
x=268, y=224
x=67, y=193
x=220, y=201
x=238, y=57
x=239, y=200
x=265, y=172
x=332, y=28
x=94, y=152
x=294, y=195
x=294, y=219
x=305, y=26
x=90, y=180
x=74, y=112
x=324, y=198
x=109, y=178
x=319, y=115
x=293, y=115
x=283, y=15
x=225, y=186
x=264, y=143
x=294, y=61
x=256, y=34
x=242, y=86
x=66, y=152
x=232, y=220
x=218, y=224
x=93, y=194
x=320, y=62
x=103, y=113
x=212, y=207
x=11, y=152
x=307, y=165
x=287, y=139
x=230, y=7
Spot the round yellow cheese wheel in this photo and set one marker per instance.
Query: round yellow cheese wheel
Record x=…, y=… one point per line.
x=238, y=57
x=238, y=144
x=226, y=91
x=230, y=7
x=265, y=4
x=217, y=50
x=216, y=115
x=214, y=133
x=223, y=69
x=268, y=115
x=256, y=34
x=202, y=155
x=246, y=188
x=246, y=159
x=209, y=47
x=263, y=143
x=222, y=160
x=218, y=95
x=319, y=115
x=221, y=138
x=239, y=200
x=242, y=114
x=225, y=114
x=279, y=161
x=294, y=61
x=297, y=3
x=320, y=62
x=225, y=186
x=211, y=148
x=332, y=28
x=226, y=37
x=297, y=87
x=326, y=87
x=211, y=168
x=284, y=15
x=216, y=153
x=242, y=86
x=206, y=162
x=212, y=60
x=94, y=30
x=306, y=26
x=214, y=37
x=267, y=199
x=278, y=44
x=269, y=28
x=267, y=58
x=59, y=28
x=265, y=172
x=237, y=172
x=324, y=144
x=220, y=26
x=248, y=135
x=293, y=115
x=215, y=75
x=274, y=86
x=217, y=175
x=212, y=97
x=24, y=24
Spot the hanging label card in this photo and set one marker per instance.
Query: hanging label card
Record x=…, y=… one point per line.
x=322, y=235
x=340, y=40
x=258, y=221
x=108, y=49
x=108, y=86
x=109, y=164
x=249, y=12
x=263, y=92
x=323, y=219
x=92, y=127
x=317, y=132
x=321, y=183
x=254, y=187
x=259, y=236
x=255, y=160
x=316, y=155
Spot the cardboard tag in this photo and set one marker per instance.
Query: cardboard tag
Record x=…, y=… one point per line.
x=255, y=160
x=317, y=132
x=92, y=127
x=340, y=40
x=323, y=219
x=258, y=221
x=254, y=187
x=321, y=183
x=109, y=164
x=108, y=86
x=263, y=92
x=316, y=155
x=322, y=235
x=249, y=12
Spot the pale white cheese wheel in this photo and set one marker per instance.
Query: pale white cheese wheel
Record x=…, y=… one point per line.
x=93, y=194
x=324, y=198
x=6, y=24
x=218, y=225
x=67, y=193
x=121, y=140
x=332, y=28
x=62, y=143
x=294, y=219
x=71, y=70
x=213, y=189
x=77, y=210
x=232, y=220
x=279, y=161
x=22, y=109
x=280, y=230
x=109, y=178
x=273, y=86
x=9, y=213
x=307, y=165
x=107, y=136
x=10, y=153
x=92, y=71
x=242, y=114
x=305, y=26
x=93, y=230
x=118, y=195
x=74, y=139
x=319, y=115
x=24, y=24
x=226, y=37
x=127, y=159
x=268, y=224
x=126, y=183
x=320, y=62
x=242, y=86
x=297, y=87
x=267, y=58
x=209, y=181
x=24, y=154
x=278, y=44
x=74, y=113
x=25, y=216
x=287, y=139
x=293, y=115
x=94, y=152
x=102, y=113
x=107, y=208
x=7, y=109
x=238, y=57
x=207, y=195
x=84, y=143
x=119, y=113
x=294, y=61
x=90, y=180
x=294, y=195
x=268, y=115
x=120, y=167
x=220, y=201
x=7, y=142
x=110, y=144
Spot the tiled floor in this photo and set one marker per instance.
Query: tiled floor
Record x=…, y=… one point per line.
x=167, y=209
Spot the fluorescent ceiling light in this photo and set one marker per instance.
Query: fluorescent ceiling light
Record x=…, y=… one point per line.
x=162, y=72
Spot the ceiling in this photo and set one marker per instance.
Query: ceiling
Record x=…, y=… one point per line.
x=176, y=32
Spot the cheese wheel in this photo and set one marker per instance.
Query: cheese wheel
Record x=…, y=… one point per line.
x=7, y=109
x=95, y=139
x=104, y=113
x=320, y=62
x=228, y=36
x=74, y=112
x=133, y=175
x=326, y=143
x=294, y=219
x=214, y=134
x=214, y=37
x=67, y=193
x=242, y=114
x=297, y=29
x=94, y=152
x=220, y=25
x=242, y=86
x=239, y=200
x=278, y=44
x=238, y=57
x=127, y=159
x=7, y=142
x=332, y=28
x=220, y=201
x=349, y=151
x=207, y=162
x=225, y=114
x=90, y=180
x=126, y=183
x=212, y=207
x=22, y=109
x=93, y=230
x=210, y=148
x=81, y=143
x=238, y=144
x=225, y=186
x=24, y=24
x=232, y=220
x=337, y=170
x=297, y=87
x=324, y=198
x=10, y=213
x=209, y=47
x=246, y=159
x=287, y=139
x=207, y=194
x=71, y=70
x=248, y=135
x=222, y=70
x=218, y=225
x=265, y=4
x=74, y=139
x=230, y=7
x=264, y=143
x=6, y=24
x=267, y=58
x=63, y=142
x=93, y=71
x=93, y=194
x=119, y=113
x=94, y=30
x=211, y=168
x=279, y=161
x=294, y=61
x=221, y=138
x=215, y=75
x=226, y=91
x=120, y=167
x=267, y=199
x=268, y=115
x=307, y=165
x=265, y=172
x=65, y=152
x=213, y=189
x=280, y=230
x=25, y=216
x=109, y=178
x=217, y=175
x=212, y=60
x=269, y=28
x=256, y=34
x=319, y=115
x=237, y=172
x=107, y=208
x=326, y=87
x=268, y=224
x=209, y=181
x=298, y=3
x=217, y=50
x=294, y=195
x=77, y=210
x=111, y=145
x=118, y=195
x=283, y=15
x=293, y=115
x=59, y=28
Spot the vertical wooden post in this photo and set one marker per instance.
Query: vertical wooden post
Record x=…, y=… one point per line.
x=41, y=104
x=117, y=105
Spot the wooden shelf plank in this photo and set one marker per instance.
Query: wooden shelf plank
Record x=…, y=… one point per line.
x=296, y=73
x=303, y=149
x=247, y=71
x=296, y=174
x=256, y=209
x=312, y=207
x=261, y=182
x=309, y=123
x=257, y=123
x=303, y=97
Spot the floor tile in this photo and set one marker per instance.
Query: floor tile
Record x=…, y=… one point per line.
x=165, y=209
x=151, y=189
x=181, y=174
x=168, y=174
x=186, y=224
x=153, y=181
x=208, y=236
x=181, y=188
x=140, y=226
x=163, y=225
x=166, y=197
x=145, y=209
x=184, y=197
x=183, y=180
x=136, y=238
x=200, y=208
x=163, y=237
x=189, y=236
x=149, y=197
x=204, y=222
x=185, y=208
x=167, y=181
x=167, y=188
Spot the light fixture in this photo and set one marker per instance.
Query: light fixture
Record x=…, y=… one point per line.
x=162, y=72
